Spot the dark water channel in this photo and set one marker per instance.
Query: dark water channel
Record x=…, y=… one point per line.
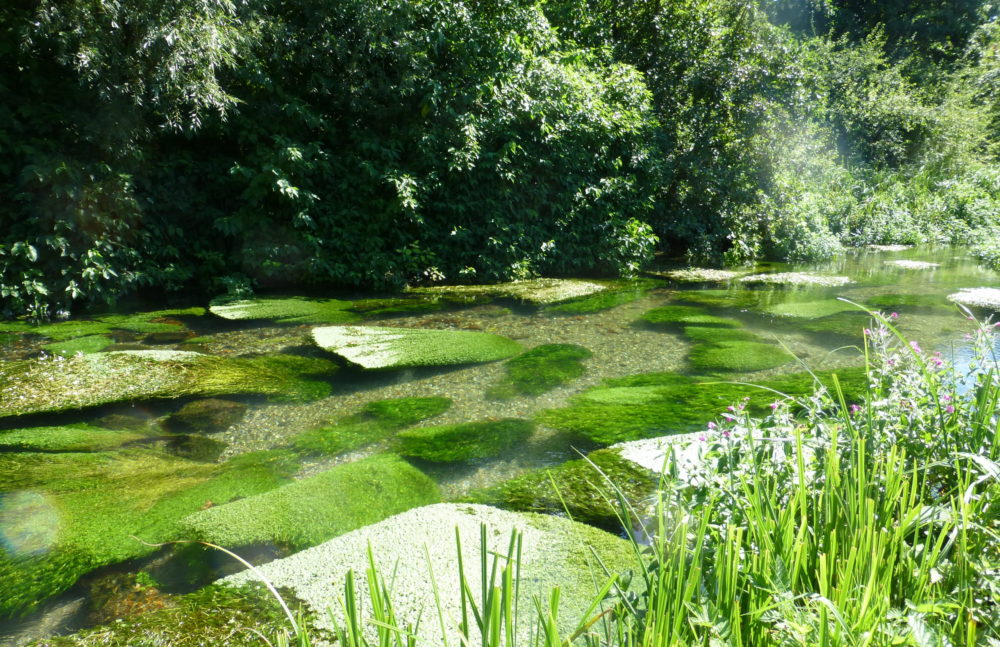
x=798, y=318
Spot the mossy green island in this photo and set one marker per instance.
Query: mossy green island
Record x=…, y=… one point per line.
x=465, y=441
x=307, y=512
x=584, y=489
x=738, y=357
x=58, y=384
x=677, y=315
x=141, y=323
x=541, y=369
x=291, y=310
x=615, y=294
x=387, y=348
x=376, y=421
x=659, y=404
x=68, y=438
x=66, y=514
x=534, y=291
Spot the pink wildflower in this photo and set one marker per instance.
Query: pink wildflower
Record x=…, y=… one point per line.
x=950, y=409
x=916, y=347
x=894, y=315
x=711, y=425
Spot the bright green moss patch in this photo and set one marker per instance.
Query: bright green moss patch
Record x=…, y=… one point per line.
x=810, y=309
x=542, y=369
x=142, y=322
x=738, y=357
x=214, y=615
x=384, y=348
x=581, y=488
x=85, y=345
x=845, y=324
x=720, y=298
x=617, y=293
x=64, y=515
x=385, y=307
x=293, y=310
x=401, y=412
x=376, y=421
x=657, y=404
x=310, y=511
x=340, y=437
x=49, y=385
x=686, y=315
x=70, y=438
x=712, y=334
x=467, y=441
x=536, y=291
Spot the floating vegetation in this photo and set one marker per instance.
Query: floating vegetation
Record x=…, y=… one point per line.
x=541, y=369
x=738, y=357
x=376, y=421
x=686, y=315
x=810, y=309
x=889, y=248
x=535, y=291
x=659, y=404
x=797, y=278
x=384, y=348
x=913, y=265
x=63, y=515
x=466, y=441
x=713, y=334
x=297, y=310
x=580, y=488
x=69, y=438
x=159, y=321
x=700, y=275
x=60, y=384
x=308, y=512
x=978, y=297
x=84, y=345
x=617, y=293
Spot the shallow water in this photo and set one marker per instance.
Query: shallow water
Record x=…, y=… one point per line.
x=620, y=342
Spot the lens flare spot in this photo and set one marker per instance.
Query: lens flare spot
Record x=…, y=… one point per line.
x=29, y=523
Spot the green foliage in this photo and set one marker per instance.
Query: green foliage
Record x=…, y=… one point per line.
x=307, y=512
x=541, y=369
x=988, y=252
x=465, y=441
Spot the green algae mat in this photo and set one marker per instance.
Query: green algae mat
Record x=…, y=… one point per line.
x=373, y=347
x=63, y=515
x=658, y=404
x=61, y=384
x=299, y=310
x=308, y=512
